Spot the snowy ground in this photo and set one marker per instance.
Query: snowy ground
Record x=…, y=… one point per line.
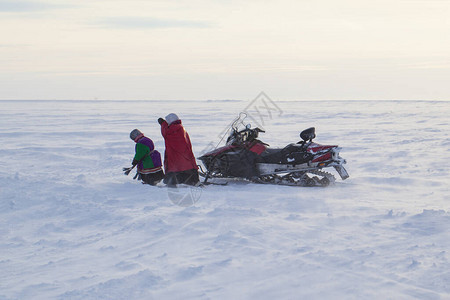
x=72, y=226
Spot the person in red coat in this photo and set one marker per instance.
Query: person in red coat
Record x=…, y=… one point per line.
x=179, y=161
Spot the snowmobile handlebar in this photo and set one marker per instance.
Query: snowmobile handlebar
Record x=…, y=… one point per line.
x=244, y=135
x=257, y=129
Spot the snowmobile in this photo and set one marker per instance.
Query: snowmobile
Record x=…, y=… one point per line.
x=298, y=164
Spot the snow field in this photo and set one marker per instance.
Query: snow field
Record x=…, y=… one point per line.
x=72, y=226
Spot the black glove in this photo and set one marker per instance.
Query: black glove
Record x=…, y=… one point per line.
x=160, y=121
x=127, y=171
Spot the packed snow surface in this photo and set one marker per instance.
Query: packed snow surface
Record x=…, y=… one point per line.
x=73, y=226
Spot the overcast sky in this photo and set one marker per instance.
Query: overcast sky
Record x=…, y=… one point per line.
x=218, y=49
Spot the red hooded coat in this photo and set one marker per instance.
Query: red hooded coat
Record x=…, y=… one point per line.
x=178, y=155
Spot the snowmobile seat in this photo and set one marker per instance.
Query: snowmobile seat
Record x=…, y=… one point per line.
x=294, y=154
x=270, y=155
x=292, y=148
x=278, y=155
x=271, y=151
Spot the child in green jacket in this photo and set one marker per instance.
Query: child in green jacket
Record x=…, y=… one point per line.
x=147, y=159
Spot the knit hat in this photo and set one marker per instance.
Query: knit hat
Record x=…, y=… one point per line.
x=170, y=118
x=135, y=134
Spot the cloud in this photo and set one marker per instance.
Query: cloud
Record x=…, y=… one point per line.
x=151, y=23
x=26, y=6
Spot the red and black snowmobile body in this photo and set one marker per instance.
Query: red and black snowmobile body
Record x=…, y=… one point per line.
x=300, y=164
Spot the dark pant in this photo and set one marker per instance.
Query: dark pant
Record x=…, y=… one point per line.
x=189, y=177
x=152, y=178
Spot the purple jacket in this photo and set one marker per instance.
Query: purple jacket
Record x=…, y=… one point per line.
x=149, y=159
